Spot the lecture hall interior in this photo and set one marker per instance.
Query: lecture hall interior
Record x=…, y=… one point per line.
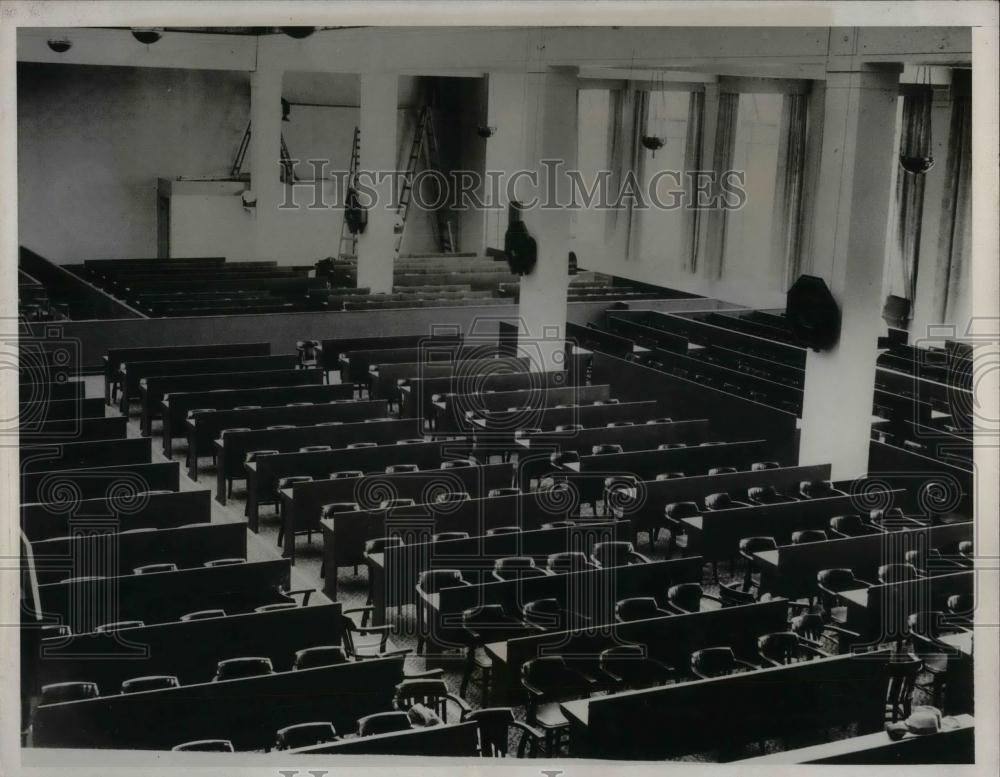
x=630, y=416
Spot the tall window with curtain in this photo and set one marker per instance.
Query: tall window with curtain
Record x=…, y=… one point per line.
x=952, y=290
x=904, y=248
x=693, y=160
x=628, y=111
x=722, y=161
x=786, y=228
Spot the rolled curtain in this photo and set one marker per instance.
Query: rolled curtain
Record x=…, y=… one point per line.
x=693, y=159
x=956, y=207
x=722, y=161
x=786, y=235
x=904, y=257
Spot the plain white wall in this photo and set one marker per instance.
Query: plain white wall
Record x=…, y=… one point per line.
x=93, y=140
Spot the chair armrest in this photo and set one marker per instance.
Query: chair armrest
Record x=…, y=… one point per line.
x=462, y=703
x=840, y=630
x=430, y=674
x=642, y=559
x=534, y=691
x=373, y=629
x=306, y=592
x=353, y=610
x=814, y=651
x=530, y=736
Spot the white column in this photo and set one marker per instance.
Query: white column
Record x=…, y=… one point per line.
x=376, y=245
x=265, y=158
x=551, y=133
x=849, y=242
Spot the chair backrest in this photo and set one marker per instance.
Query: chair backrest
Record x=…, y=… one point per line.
x=397, y=469
x=750, y=545
x=494, y=729
x=503, y=530
x=320, y=655
x=669, y=446
x=74, y=691
x=685, y=596
x=329, y=510
x=568, y=561
x=379, y=544
x=815, y=489
x=433, y=580
x=149, y=683
x=276, y=606
x=452, y=496
x=507, y=491
x=511, y=563
x=235, y=429
x=431, y=692
x=637, y=608
x=206, y=746
x=779, y=646
x=569, y=427
x=558, y=524
x=763, y=495
x=356, y=445
x=399, y=501
x=722, y=470
x=346, y=473
x=105, y=628
x=254, y=455
x=718, y=501
x=150, y=569
x=546, y=607
x=383, y=723
x=315, y=448
x=411, y=441
x=960, y=604
x=444, y=536
x=199, y=615
x=455, y=463
x=837, y=580
x=606, y=448
x=679, y=510
x=899, y=692
x=291, y=480
x=613, y=554
x=713, y=661
x=670, y=475
x=759, y=466
x=304, y=735
x=897, y=573
x=850, y=525
x=245, y=666
x=614, y=424
x=808, y=535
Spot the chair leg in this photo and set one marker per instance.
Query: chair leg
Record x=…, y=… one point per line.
x=229, y=488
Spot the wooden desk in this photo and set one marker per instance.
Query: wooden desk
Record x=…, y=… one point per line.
x=670, y=639
x=274, y=409
x=165, y=596
x=879, y=613
x=231, y=451
x=798, y=698
x=109, y=553
x=954, y=745
x=385, y=379
x=153, y=391
x=36, y=390
x=41, y=410
x=645, y=507
x=455, y=410
x=81, y=455
x=188, y=650
x=591, y=593
x=42, y=521
x=331, y=351
x=96, y=482
x=416, y=395
x=394, y=572
x=453, y=740
x=716, y=533
x=302, y=505
x=264, y=474
x=231, y=709
x=345, y=534
x=75, y=430
x=133, y=373
x=791, y=570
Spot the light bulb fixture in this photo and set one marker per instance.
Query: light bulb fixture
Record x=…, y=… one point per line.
x=298, y=32
x=147, y=35
x=60, y=45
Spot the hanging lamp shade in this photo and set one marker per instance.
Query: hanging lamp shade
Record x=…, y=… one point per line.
x=652, y=142
x=147, y=35
x=298, y=32
x=59, y=45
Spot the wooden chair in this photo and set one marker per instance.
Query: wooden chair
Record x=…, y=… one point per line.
x=319, y=655
x=628, y=666
x=383, y=723
x=547, y=681
x=785, y=647
x=568, y=561
x=903, y=671
x=494, y=727
x=616, y=554
x=766, y=495
x=689, y=597
x=638, y=608
x=808, y=535
x=247, y=666
x=430, y=692
x=717, y=662
x=205, y=746
x=149, y=683
x=851, y=526
x=747, y=548
x=430, y=582
x=517, y=568
x=831, y=583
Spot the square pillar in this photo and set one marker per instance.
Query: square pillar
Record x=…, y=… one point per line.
x=849, y=241
x=377, y=244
